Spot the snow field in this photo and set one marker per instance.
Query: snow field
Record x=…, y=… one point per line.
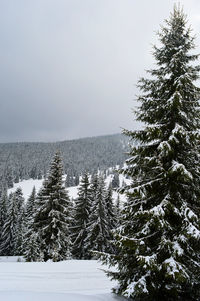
x=72, y=280
x=27, y=187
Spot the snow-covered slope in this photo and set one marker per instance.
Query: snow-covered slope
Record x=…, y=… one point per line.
x=72, y=280
x=27, y=186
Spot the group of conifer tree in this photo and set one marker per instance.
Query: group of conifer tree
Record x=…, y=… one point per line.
x=52, y=226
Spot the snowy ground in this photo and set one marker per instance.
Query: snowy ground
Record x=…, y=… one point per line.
x=72, y=280
x=27, y=187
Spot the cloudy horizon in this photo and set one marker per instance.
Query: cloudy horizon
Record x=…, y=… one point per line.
x=69, y=68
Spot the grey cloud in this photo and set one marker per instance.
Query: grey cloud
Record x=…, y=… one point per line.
x=68, y=68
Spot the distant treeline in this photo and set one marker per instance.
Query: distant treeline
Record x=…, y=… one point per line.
x=19, y=161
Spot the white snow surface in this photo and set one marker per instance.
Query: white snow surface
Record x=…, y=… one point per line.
x=72, y=280
x=27, y=187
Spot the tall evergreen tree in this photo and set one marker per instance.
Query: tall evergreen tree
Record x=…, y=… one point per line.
x=3, y=210
x=9, y=231
x=30, y=205
x=112, y=218
x=30, y=246
x=118, y=210
x=81, y=218
x=94, y=185
x=98, y=238
x=20, y=221
x=52, y=218
x=110, y=208
x=159, y=240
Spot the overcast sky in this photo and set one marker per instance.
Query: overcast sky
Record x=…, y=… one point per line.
x=68, y=68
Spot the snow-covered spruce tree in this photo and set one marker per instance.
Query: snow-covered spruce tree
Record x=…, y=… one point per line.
x=52, y=218
x=30, y=205
x=82, y=212
x=159, y=240
x=112, y=217
x=34, y=245
x=94, y=185
x=3, y=210
x=118, y=211
x=30, y=246
x=110, y=208
x=9, y=230
x=32, y=250
x=20, y=221
x=99, y=235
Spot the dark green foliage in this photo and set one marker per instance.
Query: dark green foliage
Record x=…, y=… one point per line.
x=159, y=239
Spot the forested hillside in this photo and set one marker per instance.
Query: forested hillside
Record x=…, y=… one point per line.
x=31, y=160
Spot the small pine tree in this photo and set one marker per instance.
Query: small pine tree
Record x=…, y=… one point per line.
x=159, y=239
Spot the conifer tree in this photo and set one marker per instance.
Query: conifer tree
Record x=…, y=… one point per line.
x=3, y=210
x=30, y=205
x=52, y=218
x=159, y=240
x=98, y=231
x=9, y=230
x=81, y=218
x=111, y=212
x=20, y=221
x=32, y=250
x=30, y=242
x=118, y=210
x=112, y=218
x=94, y=185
